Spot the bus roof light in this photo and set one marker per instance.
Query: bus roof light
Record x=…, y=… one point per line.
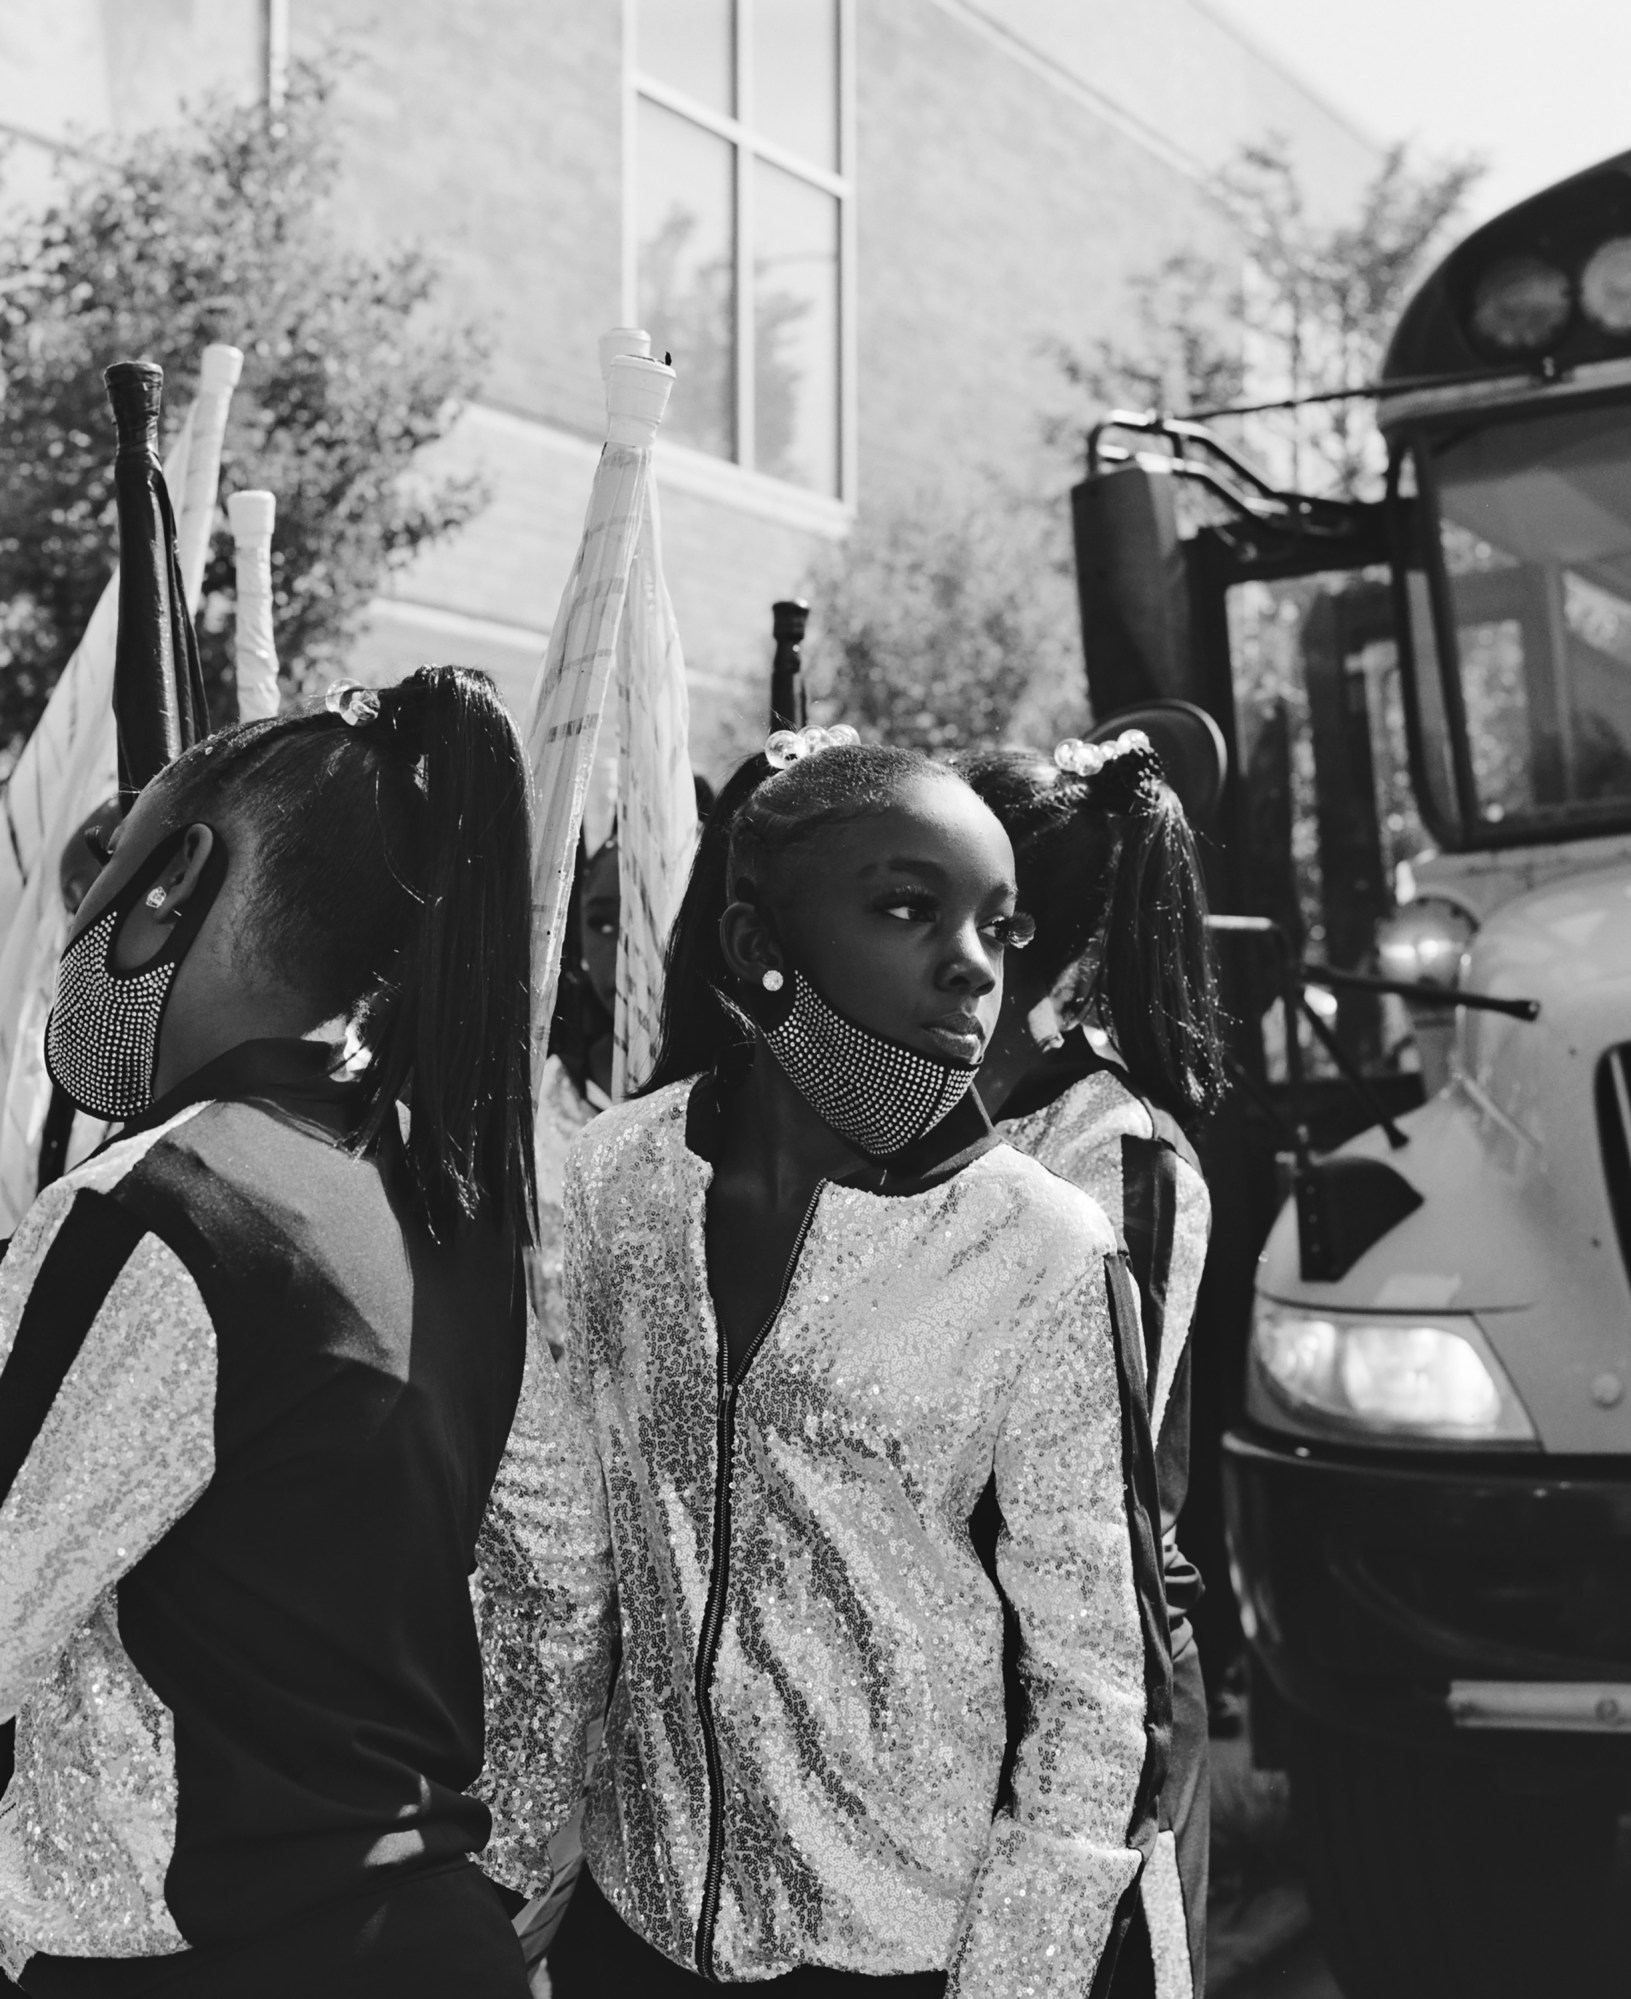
x=1520, y=305
x=1605, y=287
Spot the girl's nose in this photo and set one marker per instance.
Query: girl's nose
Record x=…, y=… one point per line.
x=971, y=964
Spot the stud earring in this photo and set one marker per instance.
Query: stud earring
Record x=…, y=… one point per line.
x=772, y=981
x=154, y=898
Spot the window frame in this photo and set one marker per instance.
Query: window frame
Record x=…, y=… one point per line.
x=739, y=476
x=1420, y=546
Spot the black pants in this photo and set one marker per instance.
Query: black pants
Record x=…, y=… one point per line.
x=596, y=1955
x=438, y=1935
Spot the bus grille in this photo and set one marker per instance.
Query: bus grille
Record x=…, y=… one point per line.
x=1614, y=1128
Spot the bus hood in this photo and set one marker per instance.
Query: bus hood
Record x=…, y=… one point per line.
x=1517, y=1223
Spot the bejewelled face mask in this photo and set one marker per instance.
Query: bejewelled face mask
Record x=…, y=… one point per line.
x=102, y=1040
x=877, y=1093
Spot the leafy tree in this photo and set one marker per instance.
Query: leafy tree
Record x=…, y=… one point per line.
x=223, y=228
x=1312, y=310
x=941, y=624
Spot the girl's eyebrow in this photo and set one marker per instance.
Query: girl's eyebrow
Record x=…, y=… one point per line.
x=904, y=864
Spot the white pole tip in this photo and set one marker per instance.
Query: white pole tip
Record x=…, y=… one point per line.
x=219, y=368
x=622, y=340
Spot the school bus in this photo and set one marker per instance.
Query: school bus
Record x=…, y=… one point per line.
x=1421, y=861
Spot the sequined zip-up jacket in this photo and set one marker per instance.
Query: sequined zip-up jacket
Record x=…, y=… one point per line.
x=803, y=1748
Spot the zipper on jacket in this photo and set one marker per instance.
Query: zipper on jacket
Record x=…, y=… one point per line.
x=713, y=1614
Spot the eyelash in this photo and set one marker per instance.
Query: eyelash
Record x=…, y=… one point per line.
x=97, y=845
x=1014, y=932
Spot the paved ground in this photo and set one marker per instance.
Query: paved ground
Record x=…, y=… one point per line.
x=1298, y=1972
x=1260, y=1942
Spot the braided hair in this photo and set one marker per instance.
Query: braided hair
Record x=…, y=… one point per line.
x=1105, y=854
x=389, y=835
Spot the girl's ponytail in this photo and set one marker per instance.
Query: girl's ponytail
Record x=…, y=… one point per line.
x=1108, y=868
x=1158, y=980
x=456, y=1027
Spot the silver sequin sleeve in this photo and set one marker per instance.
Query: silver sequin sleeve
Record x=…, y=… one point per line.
x=547, y=1615
x=124, y=1450
x=1079, y=1137
x=1040, y=1911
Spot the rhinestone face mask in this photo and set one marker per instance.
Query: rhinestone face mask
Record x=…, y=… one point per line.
x=102, y=1040
x=875, y=1092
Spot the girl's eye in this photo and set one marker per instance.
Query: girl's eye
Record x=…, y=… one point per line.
x=97, y=841
x=1014, y=932
x=910, y=909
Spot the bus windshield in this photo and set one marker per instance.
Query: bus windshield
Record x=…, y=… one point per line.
x=1534, y=521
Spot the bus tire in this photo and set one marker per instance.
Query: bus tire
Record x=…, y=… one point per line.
x=1435, y=1875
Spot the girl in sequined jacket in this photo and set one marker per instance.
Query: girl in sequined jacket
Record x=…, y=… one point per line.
x=818, y=1311
x=1108, y=872
x=258, y=1359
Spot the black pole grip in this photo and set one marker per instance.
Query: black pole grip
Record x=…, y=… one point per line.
x=158, y=689
x=789, y=705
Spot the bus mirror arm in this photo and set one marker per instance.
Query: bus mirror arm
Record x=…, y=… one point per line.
x=1444, y=997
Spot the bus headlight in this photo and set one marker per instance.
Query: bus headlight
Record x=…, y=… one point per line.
x=1605, y=286
x=1424, y=943
x=1520, y=305
x=1399, y=1379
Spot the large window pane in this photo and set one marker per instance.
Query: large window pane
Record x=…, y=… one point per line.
x=686, y=259
x=691, y=46
x=1536, y=539
x=795, y=330
x=795, y=76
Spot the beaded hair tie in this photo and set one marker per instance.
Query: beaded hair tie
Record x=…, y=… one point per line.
x=785, y=747
x=1125, y=773
x=396, y=713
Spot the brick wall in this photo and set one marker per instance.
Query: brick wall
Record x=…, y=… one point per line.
x=491, y=131
x=997, y=215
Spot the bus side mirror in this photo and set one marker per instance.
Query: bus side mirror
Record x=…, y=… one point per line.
x=1132, y=586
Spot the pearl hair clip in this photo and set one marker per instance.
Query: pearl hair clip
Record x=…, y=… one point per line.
x=355, y=704
x=787, y=746
x=1088, y=759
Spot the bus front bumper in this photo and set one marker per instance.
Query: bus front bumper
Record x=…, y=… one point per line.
x=1428, y=1598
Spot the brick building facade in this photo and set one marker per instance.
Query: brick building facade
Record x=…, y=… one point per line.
x=809, y=201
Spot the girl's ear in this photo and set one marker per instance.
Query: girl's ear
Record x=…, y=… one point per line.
x=747, y=944
x=178, y=884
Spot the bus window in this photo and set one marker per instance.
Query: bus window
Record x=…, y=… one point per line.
x=1535, y=545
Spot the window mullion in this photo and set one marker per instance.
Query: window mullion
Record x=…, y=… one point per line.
x=849, y=338
x=744, y=307
x=745, y=454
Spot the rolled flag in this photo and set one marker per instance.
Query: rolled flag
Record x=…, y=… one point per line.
x=254, y=649
x=569, y=696
x=656, y=801
x=199, y=483
x=66, y=770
